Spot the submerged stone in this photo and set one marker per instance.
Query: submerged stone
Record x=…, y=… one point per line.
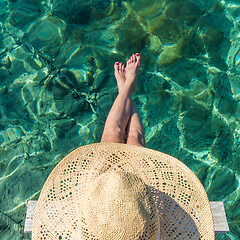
x=223, y=183
x=168, y=30
x=169, y=55
x=235, y=86
x=74, y=12
x=23, y=14
x=63, y=126
x=79, y=57
x=184, y=11
x=131, y=40
x=66, y=125
x=67, y=82
x=10, y=135
x=110, y=37
x=46, y=35
x=103, y=9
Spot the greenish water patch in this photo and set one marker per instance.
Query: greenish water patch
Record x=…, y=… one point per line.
x=57, y=86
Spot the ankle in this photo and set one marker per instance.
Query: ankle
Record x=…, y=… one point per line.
x=130, y=87
x=126, y=90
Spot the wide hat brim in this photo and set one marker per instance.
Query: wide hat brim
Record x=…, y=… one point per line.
x=182, y=203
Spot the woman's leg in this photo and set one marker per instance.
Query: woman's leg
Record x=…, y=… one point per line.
x=118, y=117
x=135, y=132
x=134, y=129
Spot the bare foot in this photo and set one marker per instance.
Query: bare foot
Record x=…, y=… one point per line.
x=119, y=74
x=132, y=68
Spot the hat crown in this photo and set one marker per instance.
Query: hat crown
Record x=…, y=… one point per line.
x=118, y=205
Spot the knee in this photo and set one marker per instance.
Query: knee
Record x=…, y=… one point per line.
x=113, y=135
x=136, y=138
x=113, y=131
x=135, y=134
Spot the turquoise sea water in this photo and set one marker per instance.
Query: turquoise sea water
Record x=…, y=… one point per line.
x=57, y=86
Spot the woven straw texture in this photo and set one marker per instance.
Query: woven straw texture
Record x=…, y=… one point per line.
x=182, y=204
x=118, y=205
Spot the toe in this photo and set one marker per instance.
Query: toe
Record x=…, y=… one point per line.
x=120, y=66
x=138, y=56
x=134, y=58
x=116, y=66
x=123, y=67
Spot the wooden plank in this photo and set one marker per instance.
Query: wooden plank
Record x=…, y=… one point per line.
x=219, y=218
x=218, y=211
x=29, y=216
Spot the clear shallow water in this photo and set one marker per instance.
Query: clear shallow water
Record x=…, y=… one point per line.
x=57, y=87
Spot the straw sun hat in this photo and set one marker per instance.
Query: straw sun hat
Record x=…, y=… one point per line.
x=119, y=191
